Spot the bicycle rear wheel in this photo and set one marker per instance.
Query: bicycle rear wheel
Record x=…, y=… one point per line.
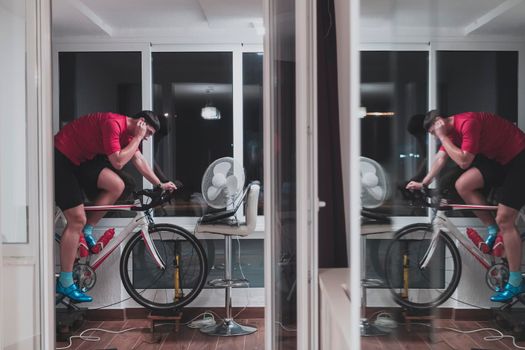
x=411, y=285
x=176, y=285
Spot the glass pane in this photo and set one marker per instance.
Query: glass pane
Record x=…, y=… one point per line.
x=484, y=81
x=284, y=221
x=102, y=82
x=252, y=77
x=13, y=143
x=183, y=84
x=394, y=91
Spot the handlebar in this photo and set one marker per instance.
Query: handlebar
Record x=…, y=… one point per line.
x=426, y=198
x=157, y=197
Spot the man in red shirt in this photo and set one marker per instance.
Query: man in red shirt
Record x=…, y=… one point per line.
x=79, y=167
x=464, y=138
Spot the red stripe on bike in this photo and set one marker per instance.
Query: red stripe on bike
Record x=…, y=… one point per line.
x=471, y=207
x=108, y=207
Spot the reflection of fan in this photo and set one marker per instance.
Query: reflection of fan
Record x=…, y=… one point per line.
x=374, y=184
x=222, y=182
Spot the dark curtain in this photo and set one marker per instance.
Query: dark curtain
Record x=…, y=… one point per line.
x=332, y=236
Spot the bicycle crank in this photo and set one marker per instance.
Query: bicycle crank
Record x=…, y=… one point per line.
x=85, y=277
x=496, y=276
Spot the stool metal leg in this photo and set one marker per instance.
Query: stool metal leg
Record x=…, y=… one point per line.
x=228, y=327
x=367, y=329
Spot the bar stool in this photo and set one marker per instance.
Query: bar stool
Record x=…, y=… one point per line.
x=225, y=223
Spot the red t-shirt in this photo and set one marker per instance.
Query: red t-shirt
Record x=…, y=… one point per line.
x=93, y=134
x=487, y=134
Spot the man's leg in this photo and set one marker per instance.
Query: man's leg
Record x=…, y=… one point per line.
x=76, y=220
x=469, y=186
x=506, y=219
x=111, y=187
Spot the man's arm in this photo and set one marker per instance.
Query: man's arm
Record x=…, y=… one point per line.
x=145, y=170
x=122, y=157
x=471, y=131
x=439, y=163
x=462, y=158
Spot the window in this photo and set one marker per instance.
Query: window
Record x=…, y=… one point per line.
x=184, y=83
x=101, y=82
x=252, y=77
x=394, y=91
x=484, y=81
x=478, y=81
x=17, y=100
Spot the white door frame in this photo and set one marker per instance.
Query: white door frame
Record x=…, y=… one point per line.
x=307, y=202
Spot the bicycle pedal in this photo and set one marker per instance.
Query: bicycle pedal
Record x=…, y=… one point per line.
x=498, y=248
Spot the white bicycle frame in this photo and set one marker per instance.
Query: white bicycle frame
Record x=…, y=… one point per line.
x=139, y=222
x=442, y=223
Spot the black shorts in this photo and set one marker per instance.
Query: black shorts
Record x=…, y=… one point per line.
x=72, y=181
x=513, y=188
x=493, y=172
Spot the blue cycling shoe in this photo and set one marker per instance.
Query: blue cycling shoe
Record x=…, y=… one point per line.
x=73, y=293
x=508, y=293
x=491, y=239
x=90, y=240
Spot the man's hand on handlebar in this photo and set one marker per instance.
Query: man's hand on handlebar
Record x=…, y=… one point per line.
x=414, y=185
x=168, y=186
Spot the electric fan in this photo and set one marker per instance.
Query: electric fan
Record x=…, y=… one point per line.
x=222, y=182
x=374, y=184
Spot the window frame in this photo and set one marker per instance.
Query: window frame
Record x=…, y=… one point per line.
x=146, y=49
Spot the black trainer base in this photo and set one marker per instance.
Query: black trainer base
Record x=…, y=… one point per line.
x=511, y=321
x=68, y=321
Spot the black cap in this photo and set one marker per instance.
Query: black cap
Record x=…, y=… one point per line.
x=430, y=118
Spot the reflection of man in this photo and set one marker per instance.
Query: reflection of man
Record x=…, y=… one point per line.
x=465, y=135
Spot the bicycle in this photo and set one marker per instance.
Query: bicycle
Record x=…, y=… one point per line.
x=423, y=264
x=162, y=267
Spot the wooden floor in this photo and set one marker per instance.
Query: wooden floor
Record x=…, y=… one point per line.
x=423, y=338
x=165, y=338
x=419, y=338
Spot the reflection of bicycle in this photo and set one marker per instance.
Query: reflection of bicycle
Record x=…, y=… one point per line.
x=162, y=267
x=423, y=264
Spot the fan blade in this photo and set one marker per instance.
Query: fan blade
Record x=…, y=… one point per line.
x=222, y=168
x=213, y=193
x=231, y=184
x=369, y=179
x=376, y=192
x=218, y=180
x=367, y=168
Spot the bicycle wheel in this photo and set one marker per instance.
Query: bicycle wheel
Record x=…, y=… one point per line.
x=411, y=285
x=175, y=286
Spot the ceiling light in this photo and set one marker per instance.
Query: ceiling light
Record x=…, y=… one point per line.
x=210, y=113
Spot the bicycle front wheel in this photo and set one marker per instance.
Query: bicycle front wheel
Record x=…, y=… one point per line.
x=164, y=289
x=421, y=287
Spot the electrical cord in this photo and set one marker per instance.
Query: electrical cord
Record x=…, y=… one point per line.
x=91, y=338
x=489, y=338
